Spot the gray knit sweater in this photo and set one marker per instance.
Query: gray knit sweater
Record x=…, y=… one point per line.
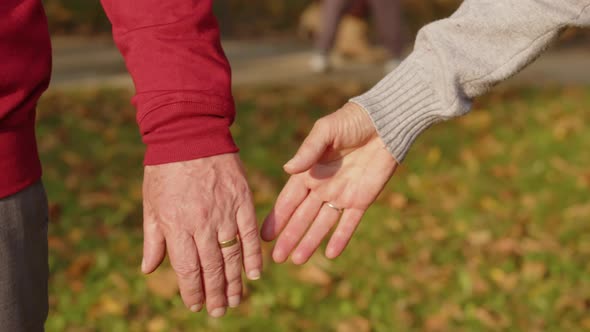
x=461, y=57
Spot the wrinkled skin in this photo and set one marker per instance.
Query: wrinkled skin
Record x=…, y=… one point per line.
x=189, y=208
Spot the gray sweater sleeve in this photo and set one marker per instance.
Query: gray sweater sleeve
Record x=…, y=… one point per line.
x=461, y=57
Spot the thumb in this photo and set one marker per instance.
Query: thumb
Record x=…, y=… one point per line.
x=312, y=149
x=154, y=247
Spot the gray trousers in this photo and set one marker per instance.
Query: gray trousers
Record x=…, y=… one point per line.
x=23, y=260
x=387, y=15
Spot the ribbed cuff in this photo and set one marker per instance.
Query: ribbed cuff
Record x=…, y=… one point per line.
x=401, y=106
x=186, y=131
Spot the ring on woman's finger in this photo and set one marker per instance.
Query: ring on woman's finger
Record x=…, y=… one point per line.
x=228, y=243
x=330, y=205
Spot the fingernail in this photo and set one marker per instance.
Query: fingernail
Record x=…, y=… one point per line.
x=216, y=313
x=233, y=301
x=143, y=264
x=254, y=275
x=196, y=307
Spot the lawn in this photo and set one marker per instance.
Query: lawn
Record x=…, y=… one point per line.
x=486, y=227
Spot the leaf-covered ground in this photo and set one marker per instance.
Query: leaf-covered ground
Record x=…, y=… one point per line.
x=486, y=227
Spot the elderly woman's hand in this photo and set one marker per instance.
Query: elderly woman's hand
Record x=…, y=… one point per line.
x=338, y=172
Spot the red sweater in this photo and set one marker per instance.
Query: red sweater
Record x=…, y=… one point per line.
x=173, y=52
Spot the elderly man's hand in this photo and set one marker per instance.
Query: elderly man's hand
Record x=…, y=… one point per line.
x=189, y=209
x=342, y=166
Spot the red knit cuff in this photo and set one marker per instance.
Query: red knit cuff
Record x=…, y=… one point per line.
x=186, y=131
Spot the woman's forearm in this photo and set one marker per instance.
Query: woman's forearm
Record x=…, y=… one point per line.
x=462, y=57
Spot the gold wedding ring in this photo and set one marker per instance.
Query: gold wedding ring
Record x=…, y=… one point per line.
x=229, y=243
x=330, y=205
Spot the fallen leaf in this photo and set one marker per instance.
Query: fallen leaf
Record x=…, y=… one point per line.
x=80, y=266
x=162, y=283
x=398, y=201
x=533, y=271
x=157, y=324
x=314, y=275
x=479, y=238
x=506, y=281
x=354, y=324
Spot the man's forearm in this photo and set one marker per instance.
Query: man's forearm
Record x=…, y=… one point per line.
x=182, y=77
x=459, y=58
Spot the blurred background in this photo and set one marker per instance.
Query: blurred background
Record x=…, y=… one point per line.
x=486, y=226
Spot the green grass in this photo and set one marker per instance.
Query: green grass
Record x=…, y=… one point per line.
x=486, y=227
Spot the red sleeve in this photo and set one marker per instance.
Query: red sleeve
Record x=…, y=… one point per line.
x=182, y=77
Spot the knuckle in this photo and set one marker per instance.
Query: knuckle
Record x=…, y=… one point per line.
x=213, y=269
x=250, y=235
x=252, y=256
x=185, y=271
x=233, y=256
x=194, y=293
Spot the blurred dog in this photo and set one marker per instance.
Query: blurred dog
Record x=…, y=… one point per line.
x=352, y=40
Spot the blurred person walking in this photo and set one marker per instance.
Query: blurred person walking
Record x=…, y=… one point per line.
x=387, y=15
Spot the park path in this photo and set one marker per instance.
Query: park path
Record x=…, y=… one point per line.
x=80, y=63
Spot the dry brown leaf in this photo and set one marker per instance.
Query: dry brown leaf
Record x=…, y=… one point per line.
x=263, y=188
x=470, y=160
x=80, y=266
x=480, y=285
x=581, y=211
x=398, y=201
x=479, y=238
x=397, y=282
x=119, y=282
x=506, y=246
x=94, y=199
x=506, y=281
x=157, y=324
x=314, y=275
x=354, y=324
x=111, y=305
x=436, y=323
x=505, y=171
x=489, y=204
x=433, y=156
x=55, y=211
x=75, y=235
x=533, y=270
x=71, y=158
x=488, y=319
x=394, y=225
x=162, y=283
x=344, y=289
x=57, y=244
x=477, y=121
